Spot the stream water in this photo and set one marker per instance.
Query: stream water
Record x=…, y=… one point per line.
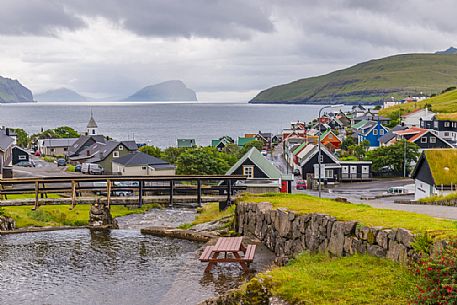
x=108, y=267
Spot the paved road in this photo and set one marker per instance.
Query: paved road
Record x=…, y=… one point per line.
x=41, y=169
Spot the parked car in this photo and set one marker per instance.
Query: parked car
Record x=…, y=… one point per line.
x=264, y=152
x=37, y=153
x=301, y=185
x=406, y=189
x=61, y=162
x=92, y=169
x=78, y=168
x=26, y=164
x=119, y=193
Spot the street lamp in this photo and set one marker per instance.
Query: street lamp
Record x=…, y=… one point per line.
x=319, y=143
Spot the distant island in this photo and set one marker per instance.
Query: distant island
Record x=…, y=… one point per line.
x=169, y=91
x=60, y=95
x=370, y=82
x=12, y=91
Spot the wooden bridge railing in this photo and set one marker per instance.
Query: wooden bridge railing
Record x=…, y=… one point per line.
x=170, y=185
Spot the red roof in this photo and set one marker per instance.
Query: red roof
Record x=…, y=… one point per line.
x=416, y=131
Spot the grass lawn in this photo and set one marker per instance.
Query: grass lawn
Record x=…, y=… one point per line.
x=29, y=196
x=360, y=279
x=59, y=215
x=365, y=214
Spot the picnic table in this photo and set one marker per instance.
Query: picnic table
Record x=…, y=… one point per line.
x=228, y=250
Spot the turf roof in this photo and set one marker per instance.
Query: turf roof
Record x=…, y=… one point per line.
x=443, y=165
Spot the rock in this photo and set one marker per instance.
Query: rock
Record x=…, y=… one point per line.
x=7, y=223
x=405, y=237
x=282, y=223
x=336, y=242
x=100, y=216
x=397, y=252
x=382, y=239
x=376, y=250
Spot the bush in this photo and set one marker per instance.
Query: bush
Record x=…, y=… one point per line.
x=439, y=277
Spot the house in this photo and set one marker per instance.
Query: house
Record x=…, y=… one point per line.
x=390, y=137
x=343, y=118
x=435, y=173
x=19, y=155
x=141, y=164
x=222, y=142
x=310, y=158
x=266, y=138
x=355, y=171
x=55, y=147
x=186, y=143
x=424, y=138
x=276, y=139
x=9, y=132
x=262, y=175
x=371, y=115
x=414, y=118
x=328, y=137
x=6, y=156
x=104, y=153
x=243, y=141
x=357, y=110
x=371, y=132
x=391, y=102
x=78, y=149
x=446, y=126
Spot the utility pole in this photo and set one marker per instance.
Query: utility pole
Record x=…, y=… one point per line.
x=404, y=158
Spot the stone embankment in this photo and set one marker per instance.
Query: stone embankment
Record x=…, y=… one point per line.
x=287, y=234
x=178, y=233
x=7, y=223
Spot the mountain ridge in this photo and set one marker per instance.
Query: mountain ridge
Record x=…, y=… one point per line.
x=12, y=91
x=60, y=95
x=169, y=91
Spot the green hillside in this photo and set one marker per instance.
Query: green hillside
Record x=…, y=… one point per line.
x=370, y=82
x=443, y=103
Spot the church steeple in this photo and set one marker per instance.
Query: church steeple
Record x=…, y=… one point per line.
x=92, y=125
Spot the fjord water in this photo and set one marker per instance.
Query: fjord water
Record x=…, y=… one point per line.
x=159, y=124
x=107, y=267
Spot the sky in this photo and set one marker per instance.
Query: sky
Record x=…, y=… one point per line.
x=226, y=50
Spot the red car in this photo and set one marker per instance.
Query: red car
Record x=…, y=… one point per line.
x=37, y=153
x=301, y=185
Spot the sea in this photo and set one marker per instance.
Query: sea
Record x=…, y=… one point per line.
x=158, y=123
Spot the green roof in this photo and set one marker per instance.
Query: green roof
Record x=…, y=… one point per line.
x=359, y=124
x=243, y=141
x=186, y=142
x=214, y=143
x=299, y=148
x=443, y=165
x=324, y=134
x=260, y=161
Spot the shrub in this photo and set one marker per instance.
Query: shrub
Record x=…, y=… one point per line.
x=2, y=212
x=439, y=277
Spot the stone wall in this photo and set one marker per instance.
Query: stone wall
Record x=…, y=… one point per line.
x=7, y=223
x=288, y=234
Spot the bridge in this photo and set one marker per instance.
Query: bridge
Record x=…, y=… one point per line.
x=144, y=189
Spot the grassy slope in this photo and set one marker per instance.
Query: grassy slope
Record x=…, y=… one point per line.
x=59, y=215
x=443, y=103
x=397, y=76
x=304, y=204
x=318, y=279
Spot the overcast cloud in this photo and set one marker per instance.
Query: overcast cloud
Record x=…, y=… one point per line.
x=225, y=50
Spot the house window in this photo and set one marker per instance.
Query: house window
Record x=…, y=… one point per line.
x=446, y=124
x=143, y=168
x=329, y=173
x=116, y=154
x=248, y=171
x=22, y=157
x=423, y=140
x=381, y=132
x=52, y=149
x=435, y=124
x=121, y=147
x=446, y=134
x=432, y=139
x=65, y=149
x=375, y=132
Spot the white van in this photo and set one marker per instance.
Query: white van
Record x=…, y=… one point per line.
x=92, y=169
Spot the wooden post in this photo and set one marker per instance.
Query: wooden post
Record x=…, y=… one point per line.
x=229, y=192
x=172, y=190
x=108, y=193
x=140, y=193
x=73, y=194
x=37, y=191
x=199, y=192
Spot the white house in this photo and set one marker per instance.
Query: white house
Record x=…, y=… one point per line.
x=413, y=119
x=141, y=164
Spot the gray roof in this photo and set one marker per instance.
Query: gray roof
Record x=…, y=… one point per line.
x=390, y=135
x=92, y=123
x=99, y=151
x=59, y=142
x=81, y=142
x=5, y=142
x=142, y=159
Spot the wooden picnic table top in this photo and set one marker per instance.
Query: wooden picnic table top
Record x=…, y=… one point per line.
x=228, y=244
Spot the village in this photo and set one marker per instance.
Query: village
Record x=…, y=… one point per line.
x=326, y=157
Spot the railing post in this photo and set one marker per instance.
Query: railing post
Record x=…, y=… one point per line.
x=172, y=190
x=140, y=193
x=37, y=191
x=229, y=191
x=73, y=194
x=108, y=193
x=199, y=192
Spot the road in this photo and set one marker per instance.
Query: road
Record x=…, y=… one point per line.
x=354, y=191
x=41, y=169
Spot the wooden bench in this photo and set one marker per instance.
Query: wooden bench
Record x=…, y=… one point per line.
x=249, y=253
x=206, y=255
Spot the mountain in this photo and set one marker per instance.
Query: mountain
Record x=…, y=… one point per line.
x=60, y=95
x=11, y=91
x=173, y=90
x=451, y=50
x=370, y=82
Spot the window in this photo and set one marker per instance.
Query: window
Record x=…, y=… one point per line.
x=375, y=132
x=116, y=154
x=144, y=168
x=381, y=132
x=435, y=124
x=65, y=149
x=446, y=124
x=345, y=169
x=121, y=147
x=52, y=149
x=432, y=139
x=248, y=171
x=329, y=173
x=93, y=131
x=446, y=134
x=423, y=140
x=22, y=157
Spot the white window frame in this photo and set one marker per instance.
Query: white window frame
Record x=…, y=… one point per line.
x=446, y=124
x=121, y=147
x=433, y=140
x=381, y=132
x=435, y=124
x=328, y=173
x=115, y=154
x=375, y=132
x=22, y=158
x=365, y=169
x=248, y=170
